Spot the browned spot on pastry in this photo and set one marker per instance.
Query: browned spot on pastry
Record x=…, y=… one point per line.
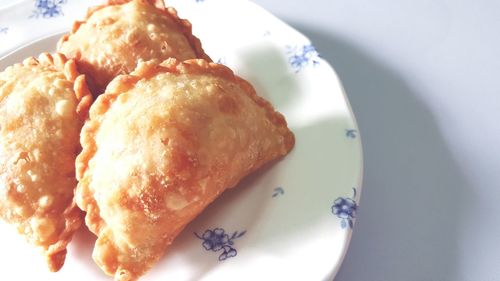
x=228, y=105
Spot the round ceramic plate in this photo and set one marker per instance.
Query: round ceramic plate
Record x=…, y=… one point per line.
x=291, y=220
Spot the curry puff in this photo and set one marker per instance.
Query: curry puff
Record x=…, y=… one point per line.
x=160, y=145
x=43, y=103
x=114, y=37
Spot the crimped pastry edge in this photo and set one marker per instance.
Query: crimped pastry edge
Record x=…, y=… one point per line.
x=184, y=25
x=68, y=67
x=56, y=253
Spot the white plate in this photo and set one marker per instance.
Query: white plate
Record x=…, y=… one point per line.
x=290, y=221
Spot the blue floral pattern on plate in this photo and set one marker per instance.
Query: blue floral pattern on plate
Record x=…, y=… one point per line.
x=351, y=133
x=345, y=209
x=218, y=240
x=4, y=29
x=301, y=56
x=48, y=8
x=278, y=191
x=222, y=60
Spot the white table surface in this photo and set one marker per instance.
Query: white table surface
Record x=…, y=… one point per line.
x=423, y=78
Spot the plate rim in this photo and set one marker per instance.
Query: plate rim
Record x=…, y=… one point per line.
x=359, y=147
x=359, y=189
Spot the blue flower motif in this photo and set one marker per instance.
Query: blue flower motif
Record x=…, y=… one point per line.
x=301, y=56
x=214, y=240
x=48, y=8
x=228, y=254
x=4, y=29
x=278, y=191
x=351, y=133
x=217, y=240
x=345, y=209
x=222, y=60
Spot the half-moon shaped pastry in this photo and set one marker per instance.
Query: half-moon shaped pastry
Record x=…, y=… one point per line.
x=161, y=144
x=114, y=37
x=43, y=103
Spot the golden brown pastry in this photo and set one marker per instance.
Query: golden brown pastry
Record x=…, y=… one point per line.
x=114, y=37
x=42, y=107
x=161, y=144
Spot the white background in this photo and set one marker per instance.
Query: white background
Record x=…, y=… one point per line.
x=423, y=78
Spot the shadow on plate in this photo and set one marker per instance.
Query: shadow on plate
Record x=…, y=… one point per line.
x=249, y=201
x=414, y=192
x=81, y=248
x=265, y=65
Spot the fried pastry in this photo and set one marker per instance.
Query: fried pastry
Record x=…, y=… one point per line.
x=43, y=104
x=114, y=37
x=160, y=145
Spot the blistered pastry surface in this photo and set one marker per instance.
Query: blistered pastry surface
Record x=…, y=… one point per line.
x=161, y=144
x=114, y=37
x=42, y=106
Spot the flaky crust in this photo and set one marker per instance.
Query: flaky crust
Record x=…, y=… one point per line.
x=43, y=103
x=115, y=36
x=161, y=144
